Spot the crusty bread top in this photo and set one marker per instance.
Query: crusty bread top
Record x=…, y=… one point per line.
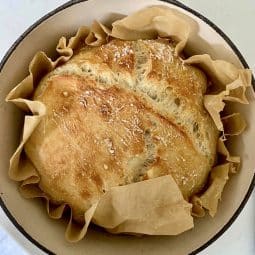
x=120, y=113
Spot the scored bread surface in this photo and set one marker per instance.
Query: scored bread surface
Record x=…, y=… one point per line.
x=120, y=113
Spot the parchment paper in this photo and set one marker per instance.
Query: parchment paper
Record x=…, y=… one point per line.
x=156, y=206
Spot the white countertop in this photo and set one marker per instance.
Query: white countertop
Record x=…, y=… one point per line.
x=235, y=18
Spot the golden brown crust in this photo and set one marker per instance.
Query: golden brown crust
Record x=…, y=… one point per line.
x=117, y=114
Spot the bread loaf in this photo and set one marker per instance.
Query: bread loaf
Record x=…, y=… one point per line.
x=120, y=113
